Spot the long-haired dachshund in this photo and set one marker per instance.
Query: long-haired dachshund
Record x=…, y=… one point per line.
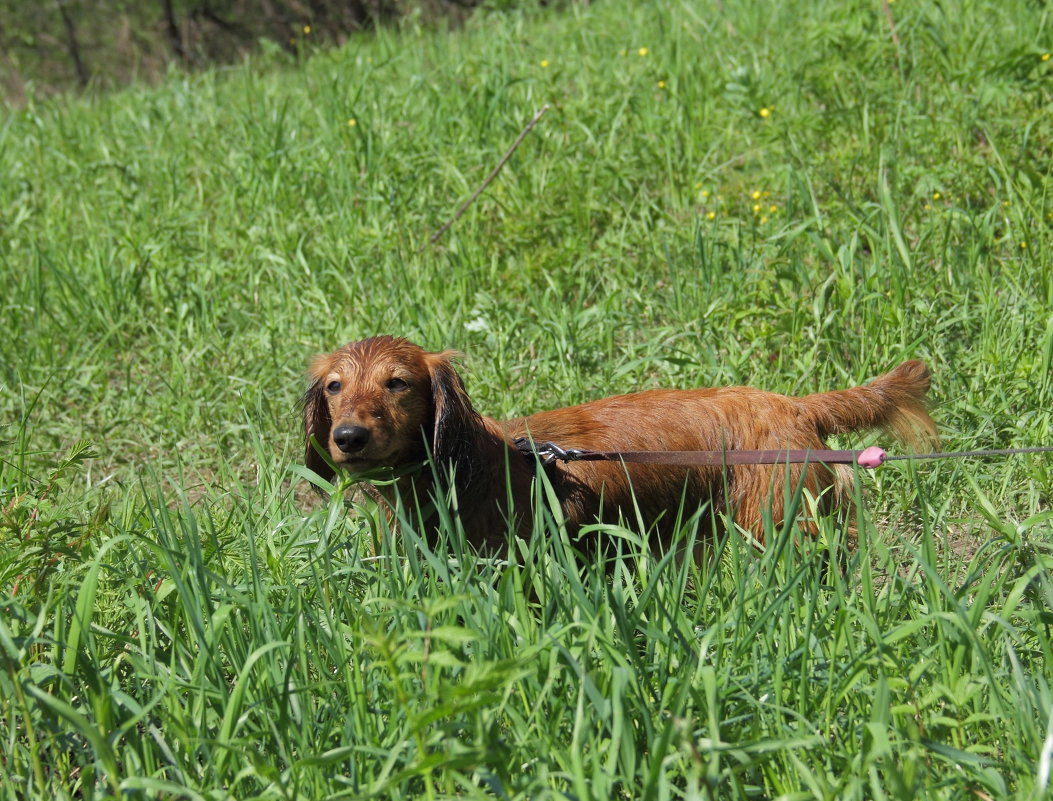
x=385, y=402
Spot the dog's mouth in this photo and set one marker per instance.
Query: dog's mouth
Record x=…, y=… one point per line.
x=360, y=462
x=356, y=463
x=373, y=470
x=363, y=460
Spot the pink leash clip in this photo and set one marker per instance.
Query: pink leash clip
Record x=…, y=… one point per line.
x=871, y=457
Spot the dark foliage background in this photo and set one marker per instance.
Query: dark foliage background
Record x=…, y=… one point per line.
x=70, y=44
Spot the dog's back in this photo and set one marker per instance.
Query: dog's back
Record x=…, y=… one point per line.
x=731, y=418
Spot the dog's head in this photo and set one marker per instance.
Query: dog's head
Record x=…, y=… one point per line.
x=385, y=402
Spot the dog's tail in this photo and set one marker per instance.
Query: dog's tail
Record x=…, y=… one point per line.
x=894, y=402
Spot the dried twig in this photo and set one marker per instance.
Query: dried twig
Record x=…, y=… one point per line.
x=891, y=23
x=489, y=178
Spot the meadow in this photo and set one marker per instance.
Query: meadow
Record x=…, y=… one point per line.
x=794, y=195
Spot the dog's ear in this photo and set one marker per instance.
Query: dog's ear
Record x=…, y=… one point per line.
x=457, y=427
x=316, y=425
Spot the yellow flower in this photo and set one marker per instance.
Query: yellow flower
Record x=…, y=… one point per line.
x=307, y=29
x=764, y=219
x=711, y=215
x=1023, y=245
x=642, y=51
x=926, y=207
x=544, y=63
x=756, y=208
x=705, y=193
x=755, y=194
x=773, y=208
x=765, y=112
x=1005, y=203
x=1045, y=56
x=351, y=123
x=661, y=84
x=936, y=195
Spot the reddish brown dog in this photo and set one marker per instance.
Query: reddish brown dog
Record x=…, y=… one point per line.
x=385, y=402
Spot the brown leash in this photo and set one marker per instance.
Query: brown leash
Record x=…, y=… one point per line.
x=869, y=458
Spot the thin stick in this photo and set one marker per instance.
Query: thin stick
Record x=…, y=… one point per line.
x=489, y=179
x=891, y=23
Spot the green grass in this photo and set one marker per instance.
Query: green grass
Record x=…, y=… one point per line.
x=179, y=617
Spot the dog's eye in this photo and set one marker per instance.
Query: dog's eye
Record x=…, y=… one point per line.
x=396, y=384
x=333, y=387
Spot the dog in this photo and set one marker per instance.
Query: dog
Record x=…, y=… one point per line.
x=385, y=402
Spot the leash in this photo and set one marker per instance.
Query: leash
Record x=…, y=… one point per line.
x=869, y=458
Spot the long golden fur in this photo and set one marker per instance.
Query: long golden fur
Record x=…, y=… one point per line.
x=385, y=402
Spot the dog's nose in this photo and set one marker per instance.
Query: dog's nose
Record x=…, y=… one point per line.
x=351, y=438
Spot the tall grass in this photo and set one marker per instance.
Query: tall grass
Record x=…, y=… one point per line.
x=778, y=195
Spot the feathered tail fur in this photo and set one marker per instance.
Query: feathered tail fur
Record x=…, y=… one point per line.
x=894, y=402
